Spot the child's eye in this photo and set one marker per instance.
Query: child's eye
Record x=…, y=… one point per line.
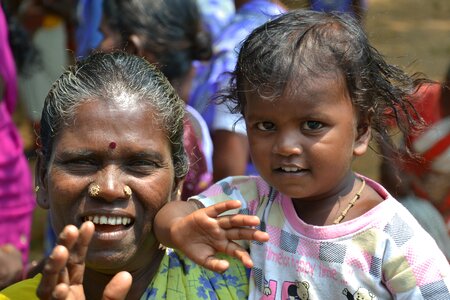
x=313, y=125
x=265, y=126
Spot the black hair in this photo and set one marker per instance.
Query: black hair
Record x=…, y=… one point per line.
x=172, y=30
x=105, y=77
x=307, y=44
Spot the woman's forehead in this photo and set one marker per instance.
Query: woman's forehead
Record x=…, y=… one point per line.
x=96, y=119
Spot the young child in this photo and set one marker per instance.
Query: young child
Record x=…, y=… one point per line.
x=313, y=92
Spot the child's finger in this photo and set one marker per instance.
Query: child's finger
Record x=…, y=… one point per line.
x=215, y=264
x=239, y=220
x=55, y=263
x=240, y=253
x=244, y=257
x=247, y=234
x=214, y=210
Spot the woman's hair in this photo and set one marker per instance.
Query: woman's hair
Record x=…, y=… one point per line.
x=108, y=77
x=302, y=46
x=171, y=29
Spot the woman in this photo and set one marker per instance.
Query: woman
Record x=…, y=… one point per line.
x=112, y=155
x=165, y=33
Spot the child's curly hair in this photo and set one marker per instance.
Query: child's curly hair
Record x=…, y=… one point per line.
x=302, y=45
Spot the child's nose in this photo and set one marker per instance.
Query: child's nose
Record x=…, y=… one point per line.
x=288, y=143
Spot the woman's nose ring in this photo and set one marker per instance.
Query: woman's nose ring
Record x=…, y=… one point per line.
x=127, y=190
x=94, y=189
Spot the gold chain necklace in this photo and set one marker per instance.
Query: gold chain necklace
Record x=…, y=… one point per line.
x=351, y=203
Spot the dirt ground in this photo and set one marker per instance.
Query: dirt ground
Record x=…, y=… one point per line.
x=414, y=34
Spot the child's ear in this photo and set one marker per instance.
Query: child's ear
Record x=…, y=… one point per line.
x=364, y=134
x=41, y=181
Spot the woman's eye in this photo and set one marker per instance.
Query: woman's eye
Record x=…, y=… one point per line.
x=81, y=165
x=313, y=125
x=142, y=166
x=265, y=126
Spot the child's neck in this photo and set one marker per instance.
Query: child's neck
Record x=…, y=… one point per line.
x=324, y=210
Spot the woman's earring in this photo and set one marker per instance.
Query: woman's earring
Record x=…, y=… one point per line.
x=127, y=190
x=36, y=189
x=93, y=190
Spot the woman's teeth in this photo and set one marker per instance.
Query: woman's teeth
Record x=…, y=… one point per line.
x=111, y=220
x=290, y=169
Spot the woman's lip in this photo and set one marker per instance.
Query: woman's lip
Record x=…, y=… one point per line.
x=111, y=233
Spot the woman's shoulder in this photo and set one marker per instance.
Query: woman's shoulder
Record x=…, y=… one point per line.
x=25, y=289
x=180, y=278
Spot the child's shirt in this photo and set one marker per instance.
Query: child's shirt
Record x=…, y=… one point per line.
x=383, y=254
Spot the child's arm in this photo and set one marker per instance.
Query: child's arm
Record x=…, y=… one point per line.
x=201, y=233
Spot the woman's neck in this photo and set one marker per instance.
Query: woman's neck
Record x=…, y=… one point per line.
x=95, y=282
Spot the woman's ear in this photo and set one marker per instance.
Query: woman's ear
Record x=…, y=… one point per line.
x=177, y=189
x=41, y=181
x=364, y=135
x=135, y=45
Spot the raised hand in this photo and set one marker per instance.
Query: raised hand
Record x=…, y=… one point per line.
x=63, y=272
x=202, y=234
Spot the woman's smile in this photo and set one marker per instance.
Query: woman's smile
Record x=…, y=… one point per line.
x=110, y=226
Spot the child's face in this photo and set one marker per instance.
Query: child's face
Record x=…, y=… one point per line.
x=303, y=143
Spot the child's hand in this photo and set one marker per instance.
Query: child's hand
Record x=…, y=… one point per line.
x=202, y=234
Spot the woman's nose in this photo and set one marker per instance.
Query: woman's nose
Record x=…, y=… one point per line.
x=110, y=185
x=287, y=143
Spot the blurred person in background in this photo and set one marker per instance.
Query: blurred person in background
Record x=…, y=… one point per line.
x=171, y=35
x=16, y=193
x=49, y=26
x=231, y=154
x=423, y=185
x=356, y=8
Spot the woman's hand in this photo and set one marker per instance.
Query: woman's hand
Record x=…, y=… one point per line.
x=11, y=265
x=63, y=272
x=203, y=233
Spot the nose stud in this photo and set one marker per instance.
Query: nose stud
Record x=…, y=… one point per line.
x=127, y=190
x=93, y=190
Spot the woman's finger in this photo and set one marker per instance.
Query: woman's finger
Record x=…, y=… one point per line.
x=61, y=292
x=118, y=287
x=55, y=263
x=76, y=262
x=68, y=236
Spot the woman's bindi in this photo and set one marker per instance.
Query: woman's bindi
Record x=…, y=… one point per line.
x=112, y=145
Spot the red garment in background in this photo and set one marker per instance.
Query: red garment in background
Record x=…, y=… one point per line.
x=433, y=144
x=198, y=178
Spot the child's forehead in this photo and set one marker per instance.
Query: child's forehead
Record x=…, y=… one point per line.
x=307, y=83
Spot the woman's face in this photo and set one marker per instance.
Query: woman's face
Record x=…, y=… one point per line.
x=111, y=147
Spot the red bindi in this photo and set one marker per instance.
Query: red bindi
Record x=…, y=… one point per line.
x=112, y=145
